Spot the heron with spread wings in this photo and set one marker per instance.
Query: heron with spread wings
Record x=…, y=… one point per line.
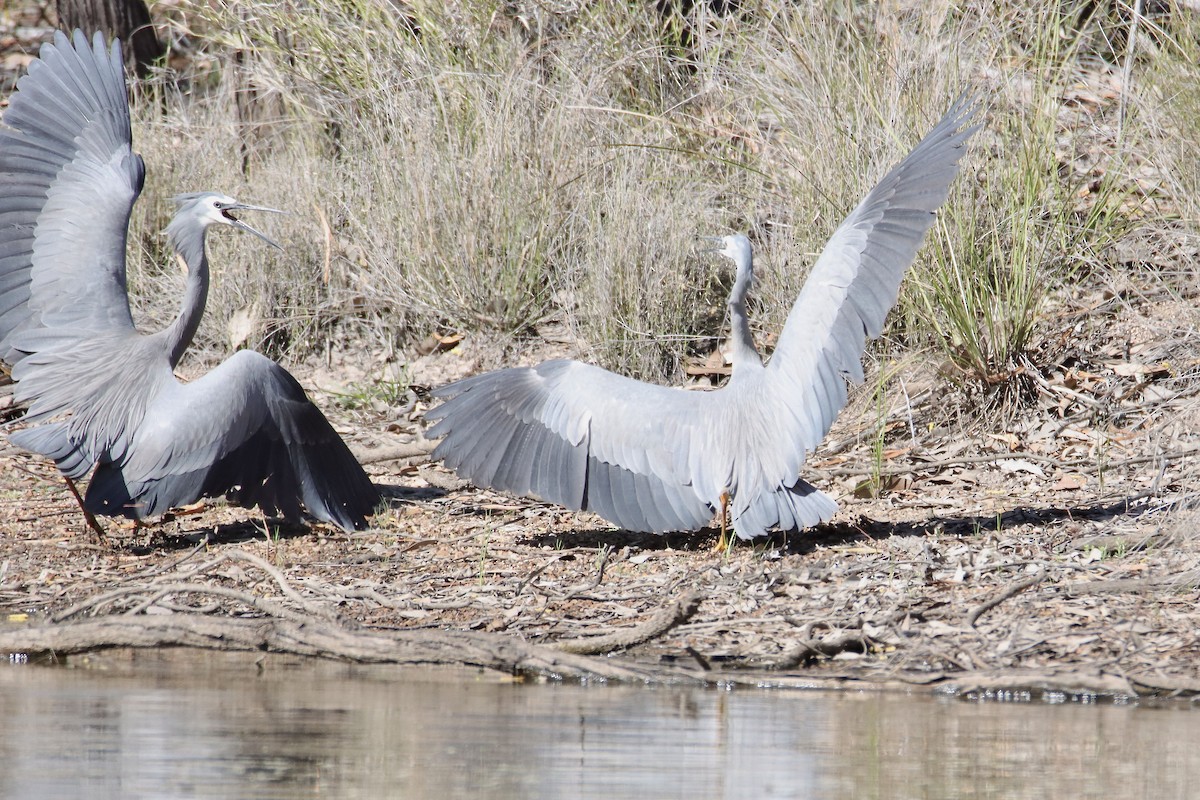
x=654, y=458
x=104, y=396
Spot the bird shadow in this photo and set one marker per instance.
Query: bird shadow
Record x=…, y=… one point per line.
x=399, y=496
x=863, y=529
x=158, y=539
x=703, y=539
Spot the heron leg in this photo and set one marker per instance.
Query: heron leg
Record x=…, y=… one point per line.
x=87, y=515
x=722, y=542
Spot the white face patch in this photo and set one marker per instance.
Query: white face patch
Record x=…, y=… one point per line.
x=215, y=209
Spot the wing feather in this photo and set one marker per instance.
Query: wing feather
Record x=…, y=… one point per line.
x=246, y=429
x=857, y=277
x=578, y=436
x=69, y=179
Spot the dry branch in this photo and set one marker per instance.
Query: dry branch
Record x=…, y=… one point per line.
x=1068, y=681
x=1009, y=592
x=810, y=649
x=320, y=639
x=1083, y=465
x=674, y=614
x=394, y=452
x=1184, y=580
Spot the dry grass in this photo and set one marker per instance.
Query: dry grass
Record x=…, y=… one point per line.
x=460, y=166
x=498, y=168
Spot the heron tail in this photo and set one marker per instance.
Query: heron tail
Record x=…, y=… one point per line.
x=788, y=508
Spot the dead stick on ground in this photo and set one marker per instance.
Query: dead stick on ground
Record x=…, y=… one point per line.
x=316, y=609
x=1084, y=465
x=395, y=452
x=157, y=591
x=533, y=575
x=1012, y=591
x=809, y=648
x=674, y=614
x=319, y=639
x=1181, y=582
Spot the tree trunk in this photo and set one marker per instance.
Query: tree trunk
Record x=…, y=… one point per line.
x=127, y=20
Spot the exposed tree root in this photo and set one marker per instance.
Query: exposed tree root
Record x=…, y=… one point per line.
x=321, y=639
x=667, y=618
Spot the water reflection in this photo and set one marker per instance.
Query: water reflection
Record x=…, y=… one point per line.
x=150, y=725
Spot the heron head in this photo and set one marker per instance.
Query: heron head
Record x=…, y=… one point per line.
x=213, y=208
x=735, y=247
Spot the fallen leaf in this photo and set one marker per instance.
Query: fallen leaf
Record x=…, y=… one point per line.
x=242, y=324
x=1070, y=481
x=1009, y=439
x=1010, y=466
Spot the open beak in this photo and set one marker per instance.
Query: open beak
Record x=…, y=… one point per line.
x=237, y=223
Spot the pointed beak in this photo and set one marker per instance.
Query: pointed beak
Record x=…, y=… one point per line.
x=714, y=248
x=237, y=223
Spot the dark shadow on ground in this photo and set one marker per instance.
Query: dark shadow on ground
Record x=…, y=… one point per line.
x=864, y=529
x=164, y=537
x=703, y=539
x=398, y=496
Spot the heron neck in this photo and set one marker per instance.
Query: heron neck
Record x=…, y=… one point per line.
x=189, y=246
x=741, y=343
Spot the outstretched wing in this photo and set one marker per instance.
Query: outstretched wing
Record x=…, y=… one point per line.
x=246, y=429
x=584, y=438
x=657, y=459
x=68, y=180
x=855, y=282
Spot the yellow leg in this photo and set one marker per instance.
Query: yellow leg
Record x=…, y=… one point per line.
x=87, y=515
x=722, y=542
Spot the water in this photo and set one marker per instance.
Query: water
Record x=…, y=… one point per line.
x=200, y=725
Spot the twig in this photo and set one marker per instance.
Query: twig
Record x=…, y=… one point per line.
x=808, y=649
x=1183, y=580
x=394, y=453
x=533, y=575
x=162, y=590
x=1127, y=71
x=163, y=568
x=158, y=590
x=257, y=603
x=580, y=590
x=1012, y=591
x=1085, y=465
x=667, y=618
x=285, y=587
x=95, y=601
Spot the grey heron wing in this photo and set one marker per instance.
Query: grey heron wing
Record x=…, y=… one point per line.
x=584, y=438
x=247, y=429
x=68, y=181
x=856, y=280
